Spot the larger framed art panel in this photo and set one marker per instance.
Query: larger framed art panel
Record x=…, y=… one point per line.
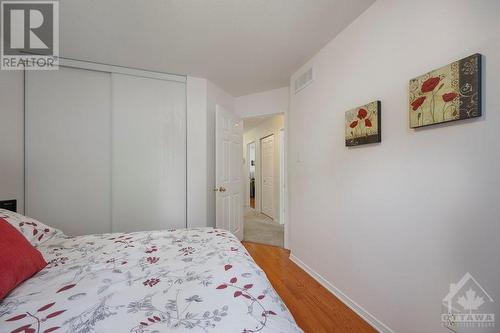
x=450, y=93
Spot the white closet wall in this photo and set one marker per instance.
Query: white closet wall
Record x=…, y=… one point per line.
x=67, y=149
x=105, y=152
x=149, y=153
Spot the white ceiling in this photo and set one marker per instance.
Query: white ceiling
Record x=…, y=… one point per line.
x=244, y=46
x=251, y=123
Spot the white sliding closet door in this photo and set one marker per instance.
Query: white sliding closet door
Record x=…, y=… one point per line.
x=148, y=153
x=67, y=153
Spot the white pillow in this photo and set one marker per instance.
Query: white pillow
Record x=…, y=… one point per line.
x=35, y=231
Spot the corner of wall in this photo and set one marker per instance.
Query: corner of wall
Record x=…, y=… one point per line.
x=196, y=109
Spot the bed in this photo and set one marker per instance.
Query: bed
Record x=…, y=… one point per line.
x=185, y=280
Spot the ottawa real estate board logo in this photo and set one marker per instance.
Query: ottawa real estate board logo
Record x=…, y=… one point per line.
x=30, y=35
x=467, y=304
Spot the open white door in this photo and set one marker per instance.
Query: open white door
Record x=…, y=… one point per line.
x=228, y=168
x=267, y=175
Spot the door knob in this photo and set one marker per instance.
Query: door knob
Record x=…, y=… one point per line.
x=220, y=189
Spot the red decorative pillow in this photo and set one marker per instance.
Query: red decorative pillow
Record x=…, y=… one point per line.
x=19, y=260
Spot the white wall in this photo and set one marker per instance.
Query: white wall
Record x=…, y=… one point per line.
x=263, y=103
x=197, y=157
x=12, y=137
x=392, y=225
x=271, y=126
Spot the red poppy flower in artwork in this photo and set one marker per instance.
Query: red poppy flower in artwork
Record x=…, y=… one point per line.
x=417, y=103
x=362, y=113
x=430, y=84
x=353, y=124
x=448, y=97
x=368, y=123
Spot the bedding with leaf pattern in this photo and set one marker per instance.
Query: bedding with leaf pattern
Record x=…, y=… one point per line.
x=186, y=280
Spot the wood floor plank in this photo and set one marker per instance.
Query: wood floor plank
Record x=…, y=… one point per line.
x=314, y=308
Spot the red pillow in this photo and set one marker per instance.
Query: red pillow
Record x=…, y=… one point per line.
x=19, y=260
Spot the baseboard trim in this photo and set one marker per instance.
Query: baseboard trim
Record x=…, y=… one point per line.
x=369, y=318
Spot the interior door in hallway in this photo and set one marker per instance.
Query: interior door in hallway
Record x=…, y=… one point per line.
x=229, y=170
x=267, y=172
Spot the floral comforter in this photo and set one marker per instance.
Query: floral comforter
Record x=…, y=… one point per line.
x=189, y=280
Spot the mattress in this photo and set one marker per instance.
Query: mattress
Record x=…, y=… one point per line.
x=187, y=280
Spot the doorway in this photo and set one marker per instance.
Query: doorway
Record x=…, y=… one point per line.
x=264, y=155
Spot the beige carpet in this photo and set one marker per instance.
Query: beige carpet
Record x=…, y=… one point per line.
x=259, y=228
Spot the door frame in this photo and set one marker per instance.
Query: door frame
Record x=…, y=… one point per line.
x=282, y=191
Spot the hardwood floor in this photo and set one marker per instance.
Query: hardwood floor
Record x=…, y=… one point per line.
x=314, y=308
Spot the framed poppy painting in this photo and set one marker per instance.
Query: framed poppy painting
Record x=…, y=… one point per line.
x=450, y=93
x=362, y=125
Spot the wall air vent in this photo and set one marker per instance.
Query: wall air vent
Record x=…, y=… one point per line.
x=304, y=79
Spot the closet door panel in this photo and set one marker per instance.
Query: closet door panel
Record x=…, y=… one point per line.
x=149, y=154
x=68, y=149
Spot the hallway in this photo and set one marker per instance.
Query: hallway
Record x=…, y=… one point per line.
x=259, y=228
